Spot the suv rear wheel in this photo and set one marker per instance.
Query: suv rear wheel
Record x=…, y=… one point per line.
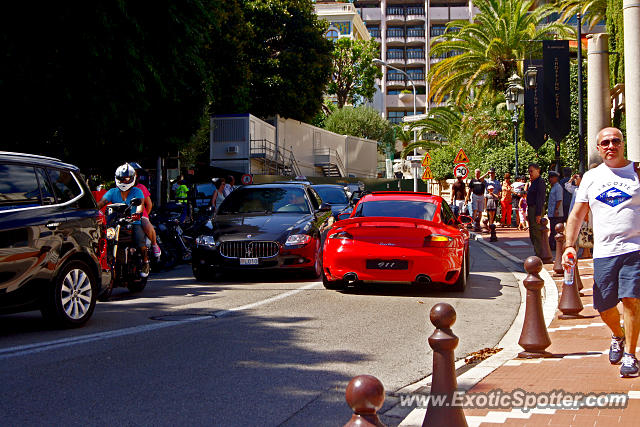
x=70, y=301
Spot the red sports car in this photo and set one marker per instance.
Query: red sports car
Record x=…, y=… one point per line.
x=397, y=236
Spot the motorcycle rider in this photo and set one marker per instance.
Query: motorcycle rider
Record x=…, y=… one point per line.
x=147, y=205
x=124, y=193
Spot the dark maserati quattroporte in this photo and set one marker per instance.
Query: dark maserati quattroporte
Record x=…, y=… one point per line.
x=266, y=226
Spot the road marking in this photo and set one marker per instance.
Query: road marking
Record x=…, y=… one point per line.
x=23, y=350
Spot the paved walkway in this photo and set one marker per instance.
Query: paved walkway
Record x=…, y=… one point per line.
x=580, y=364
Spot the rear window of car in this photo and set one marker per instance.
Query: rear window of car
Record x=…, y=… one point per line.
x=333, y=196
x=397, y=209
x=18, y=187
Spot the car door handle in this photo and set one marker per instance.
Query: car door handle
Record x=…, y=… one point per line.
x=53, y=225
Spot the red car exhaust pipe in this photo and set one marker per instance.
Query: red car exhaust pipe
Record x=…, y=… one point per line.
x=423, y=279
x=350, y=278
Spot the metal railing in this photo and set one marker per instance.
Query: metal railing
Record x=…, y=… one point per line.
x=329, y=157
x=275, y=160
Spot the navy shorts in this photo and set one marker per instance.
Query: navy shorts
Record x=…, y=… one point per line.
x=615, y=278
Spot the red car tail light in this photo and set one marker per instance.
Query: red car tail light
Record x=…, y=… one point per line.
x=437, y=241
x=341, y=235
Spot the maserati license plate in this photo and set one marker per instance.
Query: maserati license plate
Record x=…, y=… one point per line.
x=248, y=261
x=391, y=264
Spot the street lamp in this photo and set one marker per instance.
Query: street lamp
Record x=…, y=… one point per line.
x=415, y=135
x=515, y=98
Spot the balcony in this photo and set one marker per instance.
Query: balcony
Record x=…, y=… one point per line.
x=395, y=80
x=395, y=37
x=374, y=33
x=415, y=37
x=370, y=13
x=405, y=100
x=417, y=61
x=395, y=16
x=418, y=79
x=418, y=17
x=395, y=60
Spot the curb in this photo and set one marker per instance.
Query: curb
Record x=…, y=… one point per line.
x=508, y=343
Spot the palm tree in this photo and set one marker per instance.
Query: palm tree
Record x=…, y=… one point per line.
x=593, y=11
x=404, y=136
x=443, y=121
x=490, y=48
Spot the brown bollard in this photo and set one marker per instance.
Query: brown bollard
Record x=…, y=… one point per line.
x=365, y=396
x=443, y=382
x=558, y=270
x=546, y=249
x=494, y=236
x=534, y=337
x=570, y=304
x=576, y=278
x=476, y=225
x=485, y=225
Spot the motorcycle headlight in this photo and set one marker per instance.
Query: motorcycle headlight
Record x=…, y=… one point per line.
x=111, y=233
x=298, y=240
x=205, y=241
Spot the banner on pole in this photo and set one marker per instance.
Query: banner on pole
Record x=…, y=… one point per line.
x=534, y=129
x=555, y=57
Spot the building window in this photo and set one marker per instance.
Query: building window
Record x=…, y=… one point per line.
x=332, y=34
x=415, y=10
x=395, y=10
x=396, y=116
x=395, y=76
x=395, y=32
x=374, y=31
x=415, y=53
x=395, y=53
x=438, y=30
x=415, y=31
x=416, y=73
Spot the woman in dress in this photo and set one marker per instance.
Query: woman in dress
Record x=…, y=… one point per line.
x=505, y=200
x=218, y=195
x=492, y=204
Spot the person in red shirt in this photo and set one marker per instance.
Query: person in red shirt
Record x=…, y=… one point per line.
x=147, y=206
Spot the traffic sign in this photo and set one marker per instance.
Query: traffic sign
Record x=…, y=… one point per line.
x=461, y=169
x=427, y=160
x=427, y=173
x=461, y=157
x=415, y=158
x=414, y=118
x=246, y=179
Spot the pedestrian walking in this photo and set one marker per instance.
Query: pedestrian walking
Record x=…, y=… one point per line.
x=612, y=192
x=229, y=185
x=458, y=195
x=536, y=196
x=477, y=188
x=554, y=206
x=506, y=198
x=217, y=197
x=492, y=203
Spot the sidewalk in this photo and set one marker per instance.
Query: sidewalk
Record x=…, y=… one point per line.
x=580, y=365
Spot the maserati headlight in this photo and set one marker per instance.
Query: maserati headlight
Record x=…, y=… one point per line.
x=298, y=240
x=205, y=240
x=111, y=233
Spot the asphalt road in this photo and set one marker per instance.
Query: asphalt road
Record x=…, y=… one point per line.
x=262, y=350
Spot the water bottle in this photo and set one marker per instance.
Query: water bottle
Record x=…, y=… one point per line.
x=568, y=270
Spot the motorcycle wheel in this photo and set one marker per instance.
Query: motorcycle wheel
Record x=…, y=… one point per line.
x=138, y=286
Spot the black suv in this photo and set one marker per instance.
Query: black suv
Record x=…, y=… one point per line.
x=51, y=240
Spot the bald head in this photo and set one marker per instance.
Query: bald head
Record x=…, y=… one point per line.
x=611, y=147
x=608, y=131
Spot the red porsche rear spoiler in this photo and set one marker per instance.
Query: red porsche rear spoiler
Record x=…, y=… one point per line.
x=364, y=221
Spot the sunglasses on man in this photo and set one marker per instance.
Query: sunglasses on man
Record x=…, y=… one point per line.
x=613, y=141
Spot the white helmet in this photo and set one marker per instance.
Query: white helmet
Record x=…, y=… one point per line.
x=125, y=177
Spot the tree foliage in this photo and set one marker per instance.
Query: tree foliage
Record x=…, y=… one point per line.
x=354, y=74
x=290, y=59
x=361, y=121
x=488, y=50
x=593, y=11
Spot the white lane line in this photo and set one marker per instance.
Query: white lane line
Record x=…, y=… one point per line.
x=27, y=349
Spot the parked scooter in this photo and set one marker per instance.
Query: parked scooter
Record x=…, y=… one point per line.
x=123, y=257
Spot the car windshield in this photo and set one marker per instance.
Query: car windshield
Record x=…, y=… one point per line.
x=331, y=195
x=397, y=209
x=277, y=200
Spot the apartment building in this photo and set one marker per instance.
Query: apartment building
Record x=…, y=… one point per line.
x=344, y=20
x=404, y=29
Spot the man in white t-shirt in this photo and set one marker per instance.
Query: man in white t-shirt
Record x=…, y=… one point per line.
x=612, y=192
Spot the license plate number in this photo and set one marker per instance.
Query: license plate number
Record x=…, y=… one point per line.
x=248, y=261
x=393, y=264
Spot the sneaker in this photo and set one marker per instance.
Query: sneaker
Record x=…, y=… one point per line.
x=629, y=366
x=616, y=350
x=144, y=272
x=156, y=251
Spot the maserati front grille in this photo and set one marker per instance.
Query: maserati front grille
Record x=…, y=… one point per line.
x=249, y=249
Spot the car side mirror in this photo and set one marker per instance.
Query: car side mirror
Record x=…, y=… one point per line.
x=464, y=219
x=344, y=215
x=325, y=207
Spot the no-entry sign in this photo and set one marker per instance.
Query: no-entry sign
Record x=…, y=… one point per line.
x=246, y=179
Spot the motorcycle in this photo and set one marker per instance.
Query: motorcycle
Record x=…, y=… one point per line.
x=123, y=257
x=173, y=242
